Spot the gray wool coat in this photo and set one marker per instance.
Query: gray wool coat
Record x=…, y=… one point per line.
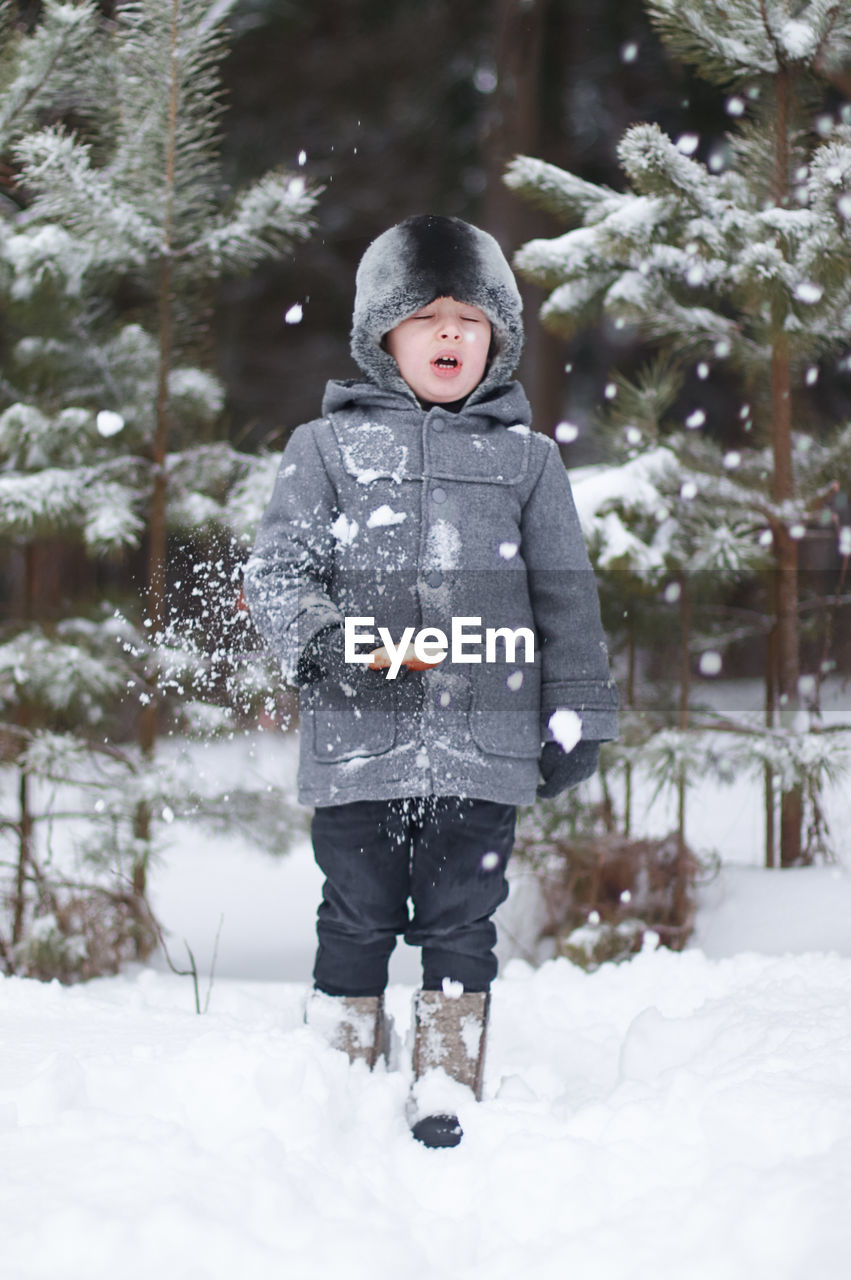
x=410, y=516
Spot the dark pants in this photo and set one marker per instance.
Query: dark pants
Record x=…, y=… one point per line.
x=446, y=854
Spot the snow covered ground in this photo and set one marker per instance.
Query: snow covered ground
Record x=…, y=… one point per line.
x=672, y=1117
x=677, y=1116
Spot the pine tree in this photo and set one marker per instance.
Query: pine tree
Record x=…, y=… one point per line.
x=742, y=260
x=108, y=439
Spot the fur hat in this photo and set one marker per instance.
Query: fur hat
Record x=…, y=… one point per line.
x=427, y=257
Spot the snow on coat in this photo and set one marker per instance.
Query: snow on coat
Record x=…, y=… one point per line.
x=413, y=516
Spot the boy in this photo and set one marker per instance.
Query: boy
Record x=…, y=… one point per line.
x=421, y=573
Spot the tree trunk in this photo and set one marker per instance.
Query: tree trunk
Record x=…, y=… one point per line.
x=25, y=836
x=512, y=127
x=630, y=702
x=783, y=488
x=681, y=884
x=157, y=519
x=513, y=121
x=29, y=595
x=768, y=772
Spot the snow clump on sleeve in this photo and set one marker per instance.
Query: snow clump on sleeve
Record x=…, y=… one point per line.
x=566, y=727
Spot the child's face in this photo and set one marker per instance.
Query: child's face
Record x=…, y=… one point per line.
x=442, y=349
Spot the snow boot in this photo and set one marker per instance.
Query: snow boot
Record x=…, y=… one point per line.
x=448, y=1060
x=357, y=1025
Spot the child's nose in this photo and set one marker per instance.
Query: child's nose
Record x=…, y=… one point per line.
x=449, y=330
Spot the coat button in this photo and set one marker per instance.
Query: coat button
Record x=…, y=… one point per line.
x=434, y=577
x=438, y=423
x=438, y=495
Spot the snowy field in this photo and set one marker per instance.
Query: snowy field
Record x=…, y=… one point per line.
x=680, y=1116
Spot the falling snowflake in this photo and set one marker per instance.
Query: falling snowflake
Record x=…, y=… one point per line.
x=485, y=79
x=109, y=423
x=710, y=663
x=807, y=686
x=566, y=432
x=809, y=292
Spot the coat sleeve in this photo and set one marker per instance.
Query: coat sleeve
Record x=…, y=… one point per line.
x=288, y=574
x=566, y=607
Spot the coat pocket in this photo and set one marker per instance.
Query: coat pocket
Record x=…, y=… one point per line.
x=351, y=717
x=505, y=710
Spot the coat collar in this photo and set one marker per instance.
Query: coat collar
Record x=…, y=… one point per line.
x=503, y=406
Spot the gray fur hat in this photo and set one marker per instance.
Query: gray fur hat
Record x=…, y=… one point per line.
x=426, y=257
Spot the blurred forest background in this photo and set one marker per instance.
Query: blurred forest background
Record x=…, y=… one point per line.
x=403, y=108
x=393, y=107
x=185, y=192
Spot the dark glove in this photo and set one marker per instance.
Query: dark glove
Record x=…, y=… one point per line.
x=561, y=769
x=323, y=655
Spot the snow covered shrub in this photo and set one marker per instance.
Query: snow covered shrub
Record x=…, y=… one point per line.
x=603, y=893
x=83, y=936
x=600, y=942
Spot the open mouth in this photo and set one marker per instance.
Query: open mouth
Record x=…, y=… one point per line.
x=445, y=362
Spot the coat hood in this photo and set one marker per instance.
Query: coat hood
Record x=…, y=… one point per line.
x=426, y=257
